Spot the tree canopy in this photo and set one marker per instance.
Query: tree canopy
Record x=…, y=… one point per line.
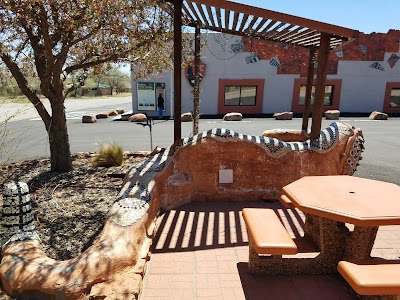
x=53, y=39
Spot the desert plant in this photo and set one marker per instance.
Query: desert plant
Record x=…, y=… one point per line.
x=109, y=155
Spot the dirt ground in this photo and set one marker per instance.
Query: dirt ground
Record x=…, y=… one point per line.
x=69, y=208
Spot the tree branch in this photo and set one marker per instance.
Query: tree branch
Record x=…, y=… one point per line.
x=110, y=58
x=40, y=61
x=23, y=85
x=48, y=46
x=89, y=35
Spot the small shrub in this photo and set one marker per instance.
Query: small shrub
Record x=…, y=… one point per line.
x=109, y=155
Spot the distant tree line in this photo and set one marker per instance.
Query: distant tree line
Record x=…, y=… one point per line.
x=103, y=80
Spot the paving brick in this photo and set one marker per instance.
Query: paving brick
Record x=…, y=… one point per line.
x=213, y=264
x=207, y=281
x=209, y=292
x=160, y=292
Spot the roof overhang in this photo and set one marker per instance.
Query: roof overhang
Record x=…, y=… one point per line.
x=245, y=20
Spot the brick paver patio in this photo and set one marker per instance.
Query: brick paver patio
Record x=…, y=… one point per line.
x=201, y=252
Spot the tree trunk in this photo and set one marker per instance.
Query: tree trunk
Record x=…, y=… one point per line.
x=60, y=153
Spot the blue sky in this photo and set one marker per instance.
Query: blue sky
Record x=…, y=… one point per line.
x=366, y=16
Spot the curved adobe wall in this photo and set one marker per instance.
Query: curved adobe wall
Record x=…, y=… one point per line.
x=261, y=166
x=116, y=263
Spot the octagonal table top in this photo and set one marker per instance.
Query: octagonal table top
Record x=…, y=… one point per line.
x=349, y=199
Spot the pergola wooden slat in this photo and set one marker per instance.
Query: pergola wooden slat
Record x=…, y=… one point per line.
x=219, y=16
x=267, y=28
x=280, y=34
x=235, y=20
x=245, y=20
x=188, y=15
x=299, y=32
x=193, y=13
x=260, y=25
x=211, y=16
x=203, y=14
x=227, y=14
x=251, y=24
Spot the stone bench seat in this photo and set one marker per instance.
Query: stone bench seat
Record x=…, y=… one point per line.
x=267, y=234
x=372, y=277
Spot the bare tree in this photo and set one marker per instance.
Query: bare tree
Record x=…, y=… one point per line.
x=53, y=39
x=116, y=79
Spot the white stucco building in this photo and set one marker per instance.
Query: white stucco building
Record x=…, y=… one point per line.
x=260, y=78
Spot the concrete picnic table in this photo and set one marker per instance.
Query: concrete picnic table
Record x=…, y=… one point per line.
x=331, y=201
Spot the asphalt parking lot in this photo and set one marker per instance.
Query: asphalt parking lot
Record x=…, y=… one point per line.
x=381, y=158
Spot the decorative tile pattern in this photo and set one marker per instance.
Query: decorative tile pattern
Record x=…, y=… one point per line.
x=133, y=200
x=393, y=60
x=277, y=148
x=363, y=48
x=377, y=65
x=275, y=62
x=237, y=46
x=18, y=221
x=252, y=58
x=354, y=156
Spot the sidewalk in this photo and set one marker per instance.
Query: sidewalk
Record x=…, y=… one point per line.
x=201, y=252
x=22, y=111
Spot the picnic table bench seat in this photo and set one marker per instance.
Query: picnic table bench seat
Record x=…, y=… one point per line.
x=267, y=235
x=286, y=201
x=372, y=277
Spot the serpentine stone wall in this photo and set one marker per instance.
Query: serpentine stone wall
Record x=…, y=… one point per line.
x=115, y=265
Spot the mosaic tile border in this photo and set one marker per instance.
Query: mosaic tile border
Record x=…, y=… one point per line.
x=137, y=190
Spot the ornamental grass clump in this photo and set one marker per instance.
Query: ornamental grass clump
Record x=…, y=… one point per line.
x=109, y=155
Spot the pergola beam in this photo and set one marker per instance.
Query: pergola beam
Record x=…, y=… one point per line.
x=323, y=55
x=177, y=71
x=196, y=90
x=277, y=16
x=310, y=82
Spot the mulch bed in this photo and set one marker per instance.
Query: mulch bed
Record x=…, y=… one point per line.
x=69, y=208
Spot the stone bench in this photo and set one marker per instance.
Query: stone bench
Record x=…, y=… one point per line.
x=267, y=236
x=372, y=278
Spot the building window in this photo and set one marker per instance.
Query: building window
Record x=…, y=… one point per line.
x=328, y=98
x=333, y=89
x=240, y=95
x=392, y=97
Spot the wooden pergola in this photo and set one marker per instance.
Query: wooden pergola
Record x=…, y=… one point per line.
x=245, y=20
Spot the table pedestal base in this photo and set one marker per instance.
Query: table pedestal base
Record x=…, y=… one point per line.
x=360, y=243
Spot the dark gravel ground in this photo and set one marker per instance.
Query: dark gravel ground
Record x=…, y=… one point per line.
x=69, y=208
